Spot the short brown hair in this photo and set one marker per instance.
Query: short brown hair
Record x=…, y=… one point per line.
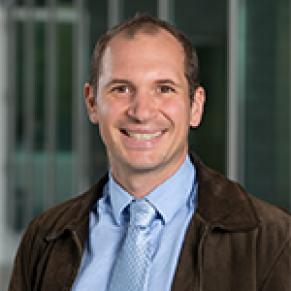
x=149, y=25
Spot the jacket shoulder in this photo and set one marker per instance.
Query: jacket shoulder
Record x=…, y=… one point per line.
x=273, y=246
x=61, y=215
x=68, y=214
x=272, y=217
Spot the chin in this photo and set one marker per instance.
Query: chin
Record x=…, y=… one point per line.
x=144, y=165
x=140, y=162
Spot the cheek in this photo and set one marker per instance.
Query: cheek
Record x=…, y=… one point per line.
x=109, y=109
x=177, y=110
x=109, y=115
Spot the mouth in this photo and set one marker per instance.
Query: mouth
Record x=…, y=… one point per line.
x=142, y=136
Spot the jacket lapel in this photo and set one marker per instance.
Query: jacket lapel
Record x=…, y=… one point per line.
x=187, y=273
x=221, y=204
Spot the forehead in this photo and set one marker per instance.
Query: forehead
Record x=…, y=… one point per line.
x=142, y=45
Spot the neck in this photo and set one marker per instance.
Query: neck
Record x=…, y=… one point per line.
x=141, y=183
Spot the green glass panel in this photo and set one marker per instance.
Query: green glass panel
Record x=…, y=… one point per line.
x=205, y=23
x=267, y=100
x=130, y=8
x=98, y=25
x=64, y=86
x=39, y=83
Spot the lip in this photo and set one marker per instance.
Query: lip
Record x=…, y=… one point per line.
x=141, y=138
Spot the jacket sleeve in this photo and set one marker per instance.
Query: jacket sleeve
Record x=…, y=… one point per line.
x=24, y=263
x=279, y=276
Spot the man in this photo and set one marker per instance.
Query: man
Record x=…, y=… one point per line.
x=160, y=219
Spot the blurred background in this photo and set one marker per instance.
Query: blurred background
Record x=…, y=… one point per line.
x=49, y=151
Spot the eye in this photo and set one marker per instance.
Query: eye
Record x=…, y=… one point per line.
x=120, y=89
x=166, y=89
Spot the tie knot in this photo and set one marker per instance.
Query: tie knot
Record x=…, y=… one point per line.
x=142, y=213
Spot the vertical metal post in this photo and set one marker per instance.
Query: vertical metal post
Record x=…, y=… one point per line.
x=165, y=10
x=114, y=12
x=10, y=239
x=3, y=129
x=232, y=124
x=289, y=100
x=29, y=111
x=50, y=105
x=235, y=133
x=80, y=134
x=11, y=118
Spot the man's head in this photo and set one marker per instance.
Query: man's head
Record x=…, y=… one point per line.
x=148, y=25
x=141, y=103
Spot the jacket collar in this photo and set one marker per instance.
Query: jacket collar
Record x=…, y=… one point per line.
x=221, y=204
x=73, y=215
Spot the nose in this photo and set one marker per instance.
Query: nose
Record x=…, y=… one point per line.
x=142, y=107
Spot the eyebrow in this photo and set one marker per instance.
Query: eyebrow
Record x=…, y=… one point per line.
x=124, y=81
x=168, y=81
x=117, y=81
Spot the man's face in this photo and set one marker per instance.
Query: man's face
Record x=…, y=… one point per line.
x=142, y=105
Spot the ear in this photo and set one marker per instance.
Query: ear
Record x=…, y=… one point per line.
x=91, y=103
x=197, y=106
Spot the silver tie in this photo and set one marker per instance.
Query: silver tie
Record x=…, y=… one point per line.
x=132, y=266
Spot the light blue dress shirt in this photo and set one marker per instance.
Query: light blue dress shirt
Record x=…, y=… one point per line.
x=175, y=202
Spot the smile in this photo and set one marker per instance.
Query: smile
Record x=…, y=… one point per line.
x=142, y=136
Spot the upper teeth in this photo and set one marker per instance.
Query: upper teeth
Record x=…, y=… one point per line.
x=144, y=136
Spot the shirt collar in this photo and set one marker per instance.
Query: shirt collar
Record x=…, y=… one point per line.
x=175, y=192
x=119, y=198
x=167, y=198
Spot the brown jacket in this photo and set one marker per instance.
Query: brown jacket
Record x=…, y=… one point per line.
x=235, y=242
